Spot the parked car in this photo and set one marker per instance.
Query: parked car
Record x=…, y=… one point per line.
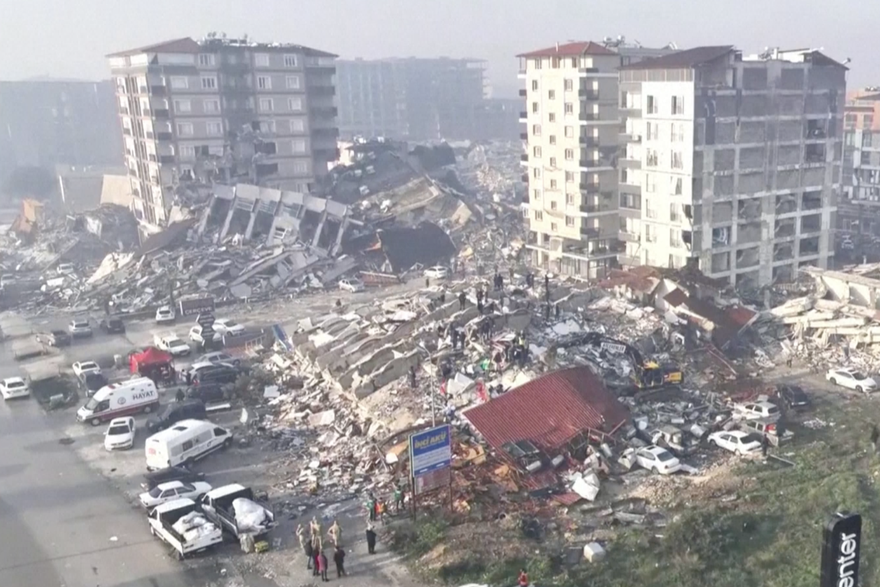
x=770, y=429
x=437, y=272
x=220, y=373
x=658, y=460
x=217, y=357
x=175, y=412
x=228, y=327
x=351, y=284
x=120, y=434
x=165, y=314
x=13, y=387
x=58, y=338
x=851, y=379
x=65, y=269
x=170, y=343
x=759, y=410
x=173, y=490
x=195, y=335
x=91, y=382
x=792, y=396
x=207, y=392
x=80, y=328
x=736, y=441
x=154, y=478
x=112, y=325
x=80, y=368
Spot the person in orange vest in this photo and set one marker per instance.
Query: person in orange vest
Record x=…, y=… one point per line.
x=523, y=578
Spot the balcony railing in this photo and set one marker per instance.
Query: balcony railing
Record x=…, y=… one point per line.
x=593, y=208
x=589, y=141
x=589, y=187
x=588, y=94
x=589, y=116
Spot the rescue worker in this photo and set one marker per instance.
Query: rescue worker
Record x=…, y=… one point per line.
x=371, y=539
x=398, y=499
x=462, y=298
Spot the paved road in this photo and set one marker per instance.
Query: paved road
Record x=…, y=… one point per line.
x=63, y=525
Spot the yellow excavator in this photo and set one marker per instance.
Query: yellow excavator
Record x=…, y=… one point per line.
x=647, y=373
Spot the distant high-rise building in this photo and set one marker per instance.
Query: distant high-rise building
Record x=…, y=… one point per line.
x=858, y=211
x=222, y=110
x=416, y=99
x=50, y=122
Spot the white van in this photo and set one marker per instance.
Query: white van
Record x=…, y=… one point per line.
x=185, y=442
x=120, y=399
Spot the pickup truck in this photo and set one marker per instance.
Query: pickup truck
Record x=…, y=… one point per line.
x=163, y=518
x=218, y=507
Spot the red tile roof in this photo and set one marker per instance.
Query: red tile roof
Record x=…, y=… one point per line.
x=571, y=50
x=182, y=45
x=549, y=411
x=676, y=297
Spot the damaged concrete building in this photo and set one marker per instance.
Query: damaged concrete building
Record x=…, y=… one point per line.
x=734, y=161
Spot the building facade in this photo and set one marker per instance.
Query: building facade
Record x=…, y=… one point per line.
x=44, y=123
x=223, y=110
x=572, y=139
x=415, y=99
x=732, y=164
x=858, y=212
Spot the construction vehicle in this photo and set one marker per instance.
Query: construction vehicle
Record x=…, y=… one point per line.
x=647, y=373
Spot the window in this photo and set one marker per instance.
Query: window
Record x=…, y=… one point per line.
x=297, y=125
x=295, y=104
x=569, y=199
x=298, y=145
x=300, y=167
x=534, y=85
x=650, y=233
x=536, y=63
x=553, y=205
x=569, y=132
x=652, y=159
x=179, y=83
x=569, y=108
x=868, y=120
x=677, y=132
x=849, y=119
x=650, y=212
x=653, y=129
x=676, y=160
x=551, y=117
x=534, y=106
x=552, y=139
x=569, y=220
x=678, y=104
x=536, y=130
x=261, y=59
x=539, y=215
x=187, y=445
x=209, y=82
x=293, y=82
x=536, y=152
x=551, y=94
x=187, y=152
x=267, y=105
x=652, y=105
x=214, y=128
x=569, y=154
x=185, y=129
x=536, y=172
x=674, y=215
x=554, y=227
x=212, y=106
x=267, y=126
x=569, y=177
x=181, y=106
x=650, y=183
x=676, y=186
x=569, y=85
x=290, y=61
x=536, y=194
x=674, y=238
x=525, y=213
x=206, y=59
x=264, y=82
x=553, y=186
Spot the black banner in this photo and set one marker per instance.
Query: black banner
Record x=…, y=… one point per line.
x=841, y=542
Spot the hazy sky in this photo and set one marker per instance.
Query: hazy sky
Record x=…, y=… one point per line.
x=69, y=38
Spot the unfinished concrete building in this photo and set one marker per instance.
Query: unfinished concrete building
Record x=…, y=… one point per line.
x=736, y=161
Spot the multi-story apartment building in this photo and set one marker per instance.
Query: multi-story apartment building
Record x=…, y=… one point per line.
x=858, y=212
x=417, y=99
x=572, y=143
x=220, y=110
x=45, y=123
x=732, y=163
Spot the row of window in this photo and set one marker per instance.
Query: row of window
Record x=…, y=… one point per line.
x=676, y=131
x=569, y=155
x=676, y=105
x=568, y=86
x=539, y=216
x=652, y=159
x=652, y=235
x=209, y=82
x=569, y=133
x=260, y=60
x=189, y=152
x=568, y=109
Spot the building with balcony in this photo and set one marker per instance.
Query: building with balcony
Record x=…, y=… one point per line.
x=731, y=163
x=858, y=211
x=223, y=110
x=572, y=142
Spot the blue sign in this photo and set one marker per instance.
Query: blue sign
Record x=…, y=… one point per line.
x=430, y=450
x=281, y=337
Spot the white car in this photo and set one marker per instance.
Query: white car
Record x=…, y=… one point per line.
x=82, y=368
x=736, y=441
x=120, y=434
x=217, y=357
x=13, y=387
x=165, y=314
x=228, y=327
x=79, y=327
x=172, y=344
x=65, y=269
x=437, y=272
x=195, y=335
x=351, y=284
x=174, y=490
x=759, y=410
x=851, y=379
x=657, y=459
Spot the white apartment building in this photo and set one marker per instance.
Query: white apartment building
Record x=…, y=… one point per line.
x=731, y=164
x=572, y=143
x=223, y=110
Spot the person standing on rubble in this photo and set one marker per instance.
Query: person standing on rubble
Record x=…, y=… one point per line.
x=398, y=499
x=462, y=297
x=310, y=554
x=371, y=539
x=479, y=295
x=412, y=377
x=316, y=561
x=335, y=533
x=371, y=507
x=765, y=445
x=523, y=580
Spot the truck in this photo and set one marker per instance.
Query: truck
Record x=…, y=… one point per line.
x=218, y=506
x=164, y=517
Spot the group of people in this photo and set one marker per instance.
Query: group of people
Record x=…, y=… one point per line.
x=313, y=548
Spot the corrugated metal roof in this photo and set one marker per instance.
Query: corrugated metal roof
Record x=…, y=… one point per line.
x=549, y=411
x=683, y=59
x=571, y=50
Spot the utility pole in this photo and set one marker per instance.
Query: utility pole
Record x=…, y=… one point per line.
x=433, y=405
